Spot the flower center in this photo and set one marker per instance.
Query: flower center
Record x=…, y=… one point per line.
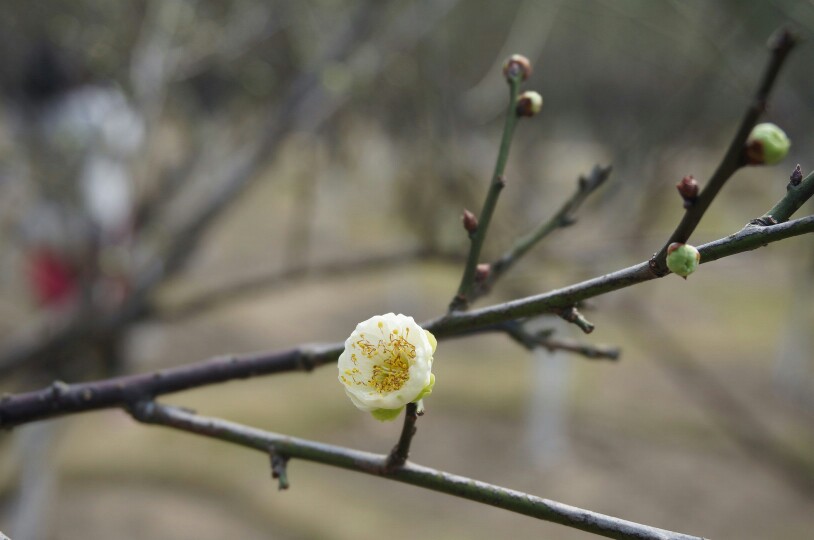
x=391, y=359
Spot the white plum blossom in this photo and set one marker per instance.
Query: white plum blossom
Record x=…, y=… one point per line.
x=386, y=364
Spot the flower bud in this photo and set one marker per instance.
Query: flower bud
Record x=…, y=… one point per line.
x=688, y=189
x=482, y=272
x=682, y=259
x=796, y=176
x=529, y=103
x=767, y=144
x=515, y=65
x=470, y=222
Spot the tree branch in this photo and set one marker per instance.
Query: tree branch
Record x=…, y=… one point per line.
x=522, y=503
x=780, y=45
x=795, y=197
x=564, y=217
x=61, y=399
x=545, y=340
x=466, y=288
x=749, y=238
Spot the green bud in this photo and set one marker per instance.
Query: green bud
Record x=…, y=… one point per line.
x=529, y=103
x=766, y=145
x=386, y=415
x=682, y=259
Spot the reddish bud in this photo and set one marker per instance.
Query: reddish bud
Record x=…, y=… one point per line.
x=482, y=272
x=688, y=189
x=796, y=176
x=470, y=222
x=517, y=65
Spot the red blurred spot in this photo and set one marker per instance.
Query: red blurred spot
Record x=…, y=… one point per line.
x=52, y=278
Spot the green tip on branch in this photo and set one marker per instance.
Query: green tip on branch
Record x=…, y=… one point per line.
x=682, y=259
x=767, y=144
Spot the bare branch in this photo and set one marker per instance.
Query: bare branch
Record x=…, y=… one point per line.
x=409, y=473
x=544, y=339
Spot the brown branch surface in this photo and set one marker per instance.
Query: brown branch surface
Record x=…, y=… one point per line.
x=409, y=473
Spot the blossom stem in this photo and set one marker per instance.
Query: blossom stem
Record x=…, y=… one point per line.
x=465, y=289
x=399, y=454
x=375, y=464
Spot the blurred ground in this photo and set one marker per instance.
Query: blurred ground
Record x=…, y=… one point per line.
x=693, y=430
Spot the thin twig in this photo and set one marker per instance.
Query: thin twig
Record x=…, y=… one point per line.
x=53, y=401
x=279, y=468
x=545, y=340
x=466, y=288
x=780, y=45
x=749, y=238
x=409, y=473
x=564, y=217
x=399, y=454
x=795, y=197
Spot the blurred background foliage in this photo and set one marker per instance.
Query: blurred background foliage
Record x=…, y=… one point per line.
x=217, y=143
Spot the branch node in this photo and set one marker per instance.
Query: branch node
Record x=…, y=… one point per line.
x=482, y=272
x=59, y=389
x=573, y=316
x=763, y=221
x=279, y=468
x=459, y=302
x=143, y=410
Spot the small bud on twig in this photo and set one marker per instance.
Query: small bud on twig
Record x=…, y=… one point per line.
x=470, y=222
x=482, y=272
x=515, y=65
x=682, y=259
x=529, y=103
x=796, y=176
x=688, y=189
x=767, y=144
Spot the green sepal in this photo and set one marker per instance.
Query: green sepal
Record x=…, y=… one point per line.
x=427, y=389
x=386, y=415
